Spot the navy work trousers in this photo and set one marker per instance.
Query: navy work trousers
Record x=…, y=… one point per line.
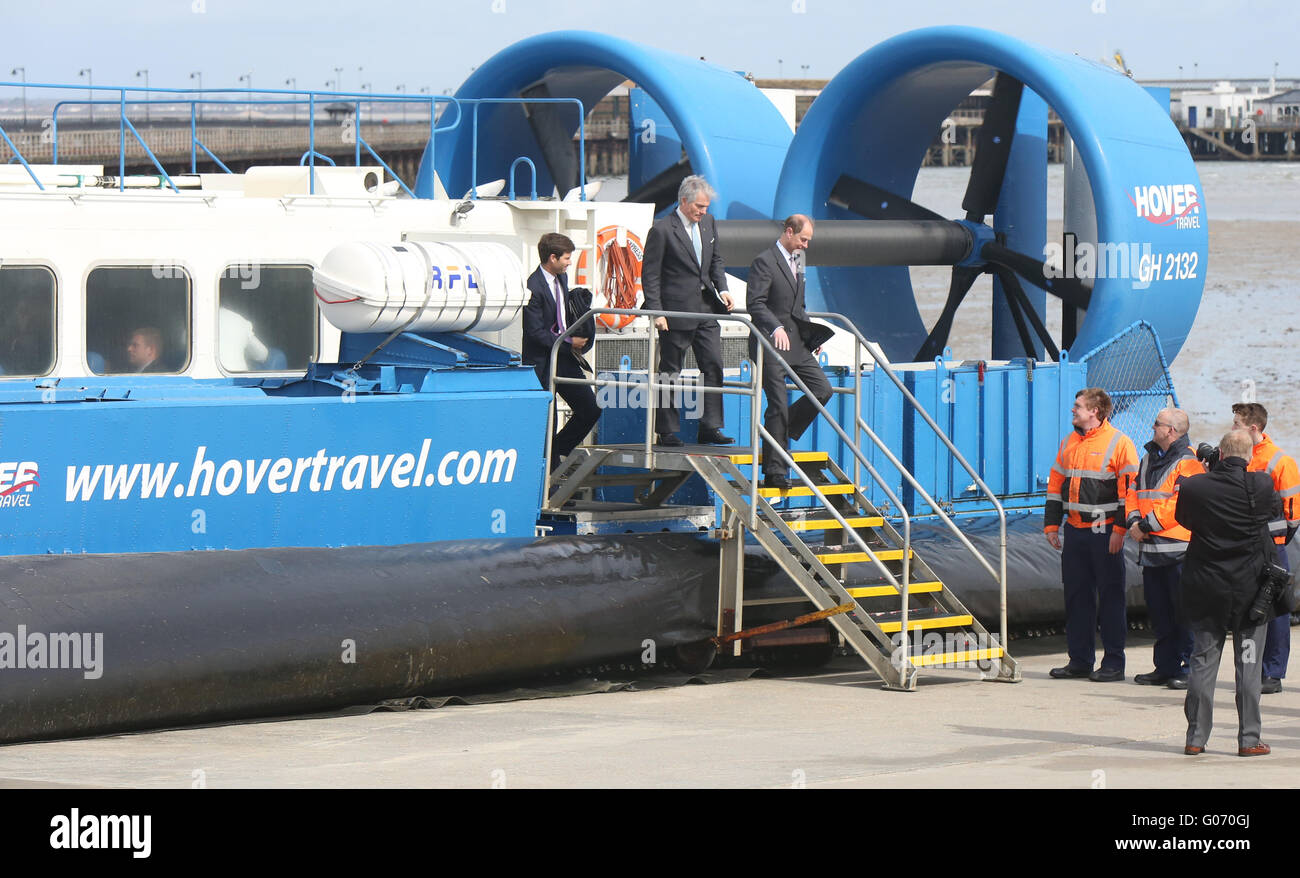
x=1163, y=592
x=1094, y=597
x=1277, y=646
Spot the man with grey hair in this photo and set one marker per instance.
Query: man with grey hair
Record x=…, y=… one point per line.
x=1229, y=513
x=683, y=271
x=1162, y=542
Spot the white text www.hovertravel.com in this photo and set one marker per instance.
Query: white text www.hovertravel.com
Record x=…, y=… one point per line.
x=1205, y=845
x=318, y=472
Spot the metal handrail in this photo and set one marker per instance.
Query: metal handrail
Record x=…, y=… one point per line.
x=298, y=96
x=752, y=391
x=582, y=138
x=1000, y=576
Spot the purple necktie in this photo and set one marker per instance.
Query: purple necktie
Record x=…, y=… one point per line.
x=559, y=306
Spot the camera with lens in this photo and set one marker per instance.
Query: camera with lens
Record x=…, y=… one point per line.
x=1208, y=454
x=1273, y=582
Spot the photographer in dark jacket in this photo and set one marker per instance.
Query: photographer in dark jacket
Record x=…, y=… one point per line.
x=1229, y=513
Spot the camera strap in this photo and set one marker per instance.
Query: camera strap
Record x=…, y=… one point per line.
x=1250, y=502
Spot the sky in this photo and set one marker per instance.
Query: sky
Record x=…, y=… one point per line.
x=435, y=44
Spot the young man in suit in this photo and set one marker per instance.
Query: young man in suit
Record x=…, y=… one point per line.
x=775, y=296
x=547, y=315
x=683, y=271
x=144, y=351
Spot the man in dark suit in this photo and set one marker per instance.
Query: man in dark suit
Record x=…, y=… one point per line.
x=683, y=271
x=775, y=297
x=550, y=312
x=1230, y=514
x=144, y=351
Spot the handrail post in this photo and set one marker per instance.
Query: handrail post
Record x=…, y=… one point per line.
x=652, y=389
x=857, y=408
x=551, y=415
x=121, y=141
x=473, y=157
x=755, y=408
x=311, y=142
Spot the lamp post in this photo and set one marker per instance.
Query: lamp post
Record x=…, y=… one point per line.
x=338, y=79
x=23, y=72
x=780, y=69
x=90, y=82
x=427, y=90
x=248, y=77
x=365, y=86
x=145, y=73
x=401, y=89
x=198, y=74
x=292, y=82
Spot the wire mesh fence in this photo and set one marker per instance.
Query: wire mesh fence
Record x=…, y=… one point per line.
x=1132, y=368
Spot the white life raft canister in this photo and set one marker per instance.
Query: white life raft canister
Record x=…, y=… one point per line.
x=366, y=286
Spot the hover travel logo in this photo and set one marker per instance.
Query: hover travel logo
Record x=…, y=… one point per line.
x=1177, y=205
x=18, y=479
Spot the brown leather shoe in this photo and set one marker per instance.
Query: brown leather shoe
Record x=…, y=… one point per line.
x=1193, y=750
x=1257, y=750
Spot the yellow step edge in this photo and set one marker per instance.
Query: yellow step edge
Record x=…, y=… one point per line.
x=854, y=557
x=889, y=591
x=832, y=524
x=952, y=658
x=921, y=624
x=799, y=457
x=805, y=492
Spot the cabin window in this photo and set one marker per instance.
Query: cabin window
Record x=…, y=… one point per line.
x=138, y=319
x=266, y=319
x=27, y=327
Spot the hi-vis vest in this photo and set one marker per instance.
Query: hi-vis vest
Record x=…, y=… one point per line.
x=1090, y=479
x=1153, y=505
x=1268, y=458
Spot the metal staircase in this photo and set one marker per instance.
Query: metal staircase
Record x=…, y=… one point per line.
x=813, y=544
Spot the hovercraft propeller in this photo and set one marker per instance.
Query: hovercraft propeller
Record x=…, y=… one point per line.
x=992, y=257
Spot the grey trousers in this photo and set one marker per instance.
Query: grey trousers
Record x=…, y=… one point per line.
x=1247, y=660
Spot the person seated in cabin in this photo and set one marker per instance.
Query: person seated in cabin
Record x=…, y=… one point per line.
x=144, y=351
x=25, y=344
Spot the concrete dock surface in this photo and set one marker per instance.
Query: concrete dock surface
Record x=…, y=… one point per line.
x=832, y=728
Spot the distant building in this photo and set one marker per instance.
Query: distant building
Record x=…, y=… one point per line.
x=1284, y=107
x=1221, y=106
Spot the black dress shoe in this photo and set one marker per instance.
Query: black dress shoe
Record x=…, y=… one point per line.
x=1179, y=683
x=669, y=440
x=1270, y=686
x=714, y=437
x=1106, y=675
x=1070, y=671
x=1155, y=678
x=776, y=480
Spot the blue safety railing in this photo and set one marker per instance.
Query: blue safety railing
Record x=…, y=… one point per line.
x=196, y=98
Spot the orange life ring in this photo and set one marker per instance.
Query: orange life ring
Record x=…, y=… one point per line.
x=620, y=271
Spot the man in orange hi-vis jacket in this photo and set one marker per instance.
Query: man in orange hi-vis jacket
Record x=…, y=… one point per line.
x=1162, y=543
x=1087, y=487
x=1266, y=457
